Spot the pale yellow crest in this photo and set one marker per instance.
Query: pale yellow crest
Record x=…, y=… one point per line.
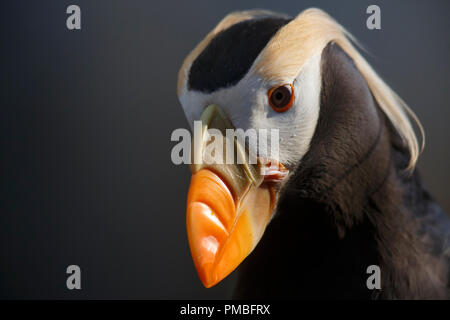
x=306, y=35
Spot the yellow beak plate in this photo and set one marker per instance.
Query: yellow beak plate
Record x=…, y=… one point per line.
x=228, y=208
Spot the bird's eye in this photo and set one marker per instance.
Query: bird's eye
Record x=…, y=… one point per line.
x=281, y=97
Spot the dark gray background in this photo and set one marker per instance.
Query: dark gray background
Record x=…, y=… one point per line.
x=86, y=117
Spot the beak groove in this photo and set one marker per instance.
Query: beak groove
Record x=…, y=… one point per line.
x=228, y=208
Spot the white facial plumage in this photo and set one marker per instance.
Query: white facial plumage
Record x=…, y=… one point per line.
x=247, y=106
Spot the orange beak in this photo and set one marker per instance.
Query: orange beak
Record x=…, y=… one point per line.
x=228, y=209
x=222, y=232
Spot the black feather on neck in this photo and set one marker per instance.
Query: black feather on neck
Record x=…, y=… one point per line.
x=349, y=204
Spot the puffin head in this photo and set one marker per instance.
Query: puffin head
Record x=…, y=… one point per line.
x=259, y=71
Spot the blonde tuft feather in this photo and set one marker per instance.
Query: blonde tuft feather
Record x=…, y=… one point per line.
x=309, y=33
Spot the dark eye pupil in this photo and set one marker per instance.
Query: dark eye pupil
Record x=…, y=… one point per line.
x=281, y=96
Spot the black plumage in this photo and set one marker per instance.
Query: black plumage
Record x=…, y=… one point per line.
x=231, y=53
x=349, y=204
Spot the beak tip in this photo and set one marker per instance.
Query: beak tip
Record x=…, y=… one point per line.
x=220, y=234
x=209, y=277
x=208, y=284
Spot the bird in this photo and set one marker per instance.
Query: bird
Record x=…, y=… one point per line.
x=344, y=193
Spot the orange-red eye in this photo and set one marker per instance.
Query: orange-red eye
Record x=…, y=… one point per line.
x=281, y=97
